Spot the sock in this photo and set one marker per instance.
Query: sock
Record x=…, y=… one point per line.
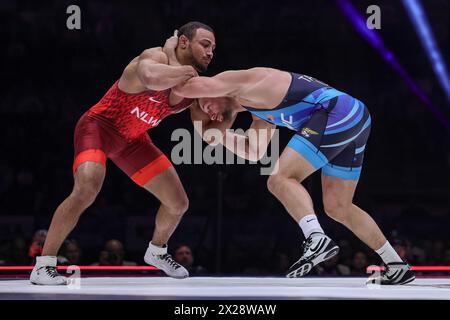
x=310, y=224
x=388, y=254
x=46, y=261
x=157, y=250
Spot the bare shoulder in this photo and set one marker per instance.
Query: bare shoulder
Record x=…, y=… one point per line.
x=129, y=82
x=268, y=77
x=252, y=74
x=264, y=72
x=156, y=54
x=238, y=77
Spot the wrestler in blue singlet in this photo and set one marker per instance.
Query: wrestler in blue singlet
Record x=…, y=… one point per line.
x=331, y=127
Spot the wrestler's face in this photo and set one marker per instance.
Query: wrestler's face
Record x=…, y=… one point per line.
x=216, y=108
x=200, y=49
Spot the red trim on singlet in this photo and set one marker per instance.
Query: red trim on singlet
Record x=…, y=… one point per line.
x=94, y=155
x=151, y=170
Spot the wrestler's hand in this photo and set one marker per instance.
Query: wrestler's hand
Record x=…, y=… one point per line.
x=169, y=48
x=216, y=117
x=193, y=72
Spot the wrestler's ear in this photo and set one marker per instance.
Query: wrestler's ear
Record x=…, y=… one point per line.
x=183, y=41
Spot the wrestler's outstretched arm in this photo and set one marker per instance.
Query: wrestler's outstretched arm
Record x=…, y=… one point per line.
x=228, y=83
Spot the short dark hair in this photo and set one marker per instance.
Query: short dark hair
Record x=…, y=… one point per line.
x=189, y=29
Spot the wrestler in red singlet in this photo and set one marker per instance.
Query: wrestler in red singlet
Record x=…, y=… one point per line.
x=115, y=128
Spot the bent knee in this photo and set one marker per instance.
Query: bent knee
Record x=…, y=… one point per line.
x=86, y=194
x=178, y=206
x=275, y=183
x=88, y=182
x=337, y=209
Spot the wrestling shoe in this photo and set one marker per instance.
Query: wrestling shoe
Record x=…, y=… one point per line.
x=44, y=272
x=316, y=249
x=159, y=258
x=394, y=273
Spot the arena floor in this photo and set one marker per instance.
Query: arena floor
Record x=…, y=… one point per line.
x=225, y=288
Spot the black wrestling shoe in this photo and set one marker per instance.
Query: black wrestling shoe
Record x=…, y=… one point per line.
x=394, y=273
x=316, y=249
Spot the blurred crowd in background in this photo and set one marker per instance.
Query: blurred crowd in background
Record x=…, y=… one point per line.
x=353, y=259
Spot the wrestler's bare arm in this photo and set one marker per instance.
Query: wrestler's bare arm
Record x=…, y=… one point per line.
x=228, y=83
x=253, y=145
x=151, y=71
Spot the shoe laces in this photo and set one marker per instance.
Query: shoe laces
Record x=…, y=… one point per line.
x=51, y=272
x=386, y=270
x=168, y=258
x=306, y=245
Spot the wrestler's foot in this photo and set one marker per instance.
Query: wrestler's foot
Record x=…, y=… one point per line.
x=394, y=273
x=158, y=257
x=316, y=249
x=44, y=272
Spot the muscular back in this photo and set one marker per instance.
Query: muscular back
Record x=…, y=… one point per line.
x=263, y=88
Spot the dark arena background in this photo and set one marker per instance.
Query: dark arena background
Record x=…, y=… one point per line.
x=238, y=238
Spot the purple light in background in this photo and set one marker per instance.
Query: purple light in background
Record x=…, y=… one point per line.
x=423, y=29
x=375, y=41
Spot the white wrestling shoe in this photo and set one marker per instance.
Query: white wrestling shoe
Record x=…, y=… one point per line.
x=44, y=272
x=159, y=258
